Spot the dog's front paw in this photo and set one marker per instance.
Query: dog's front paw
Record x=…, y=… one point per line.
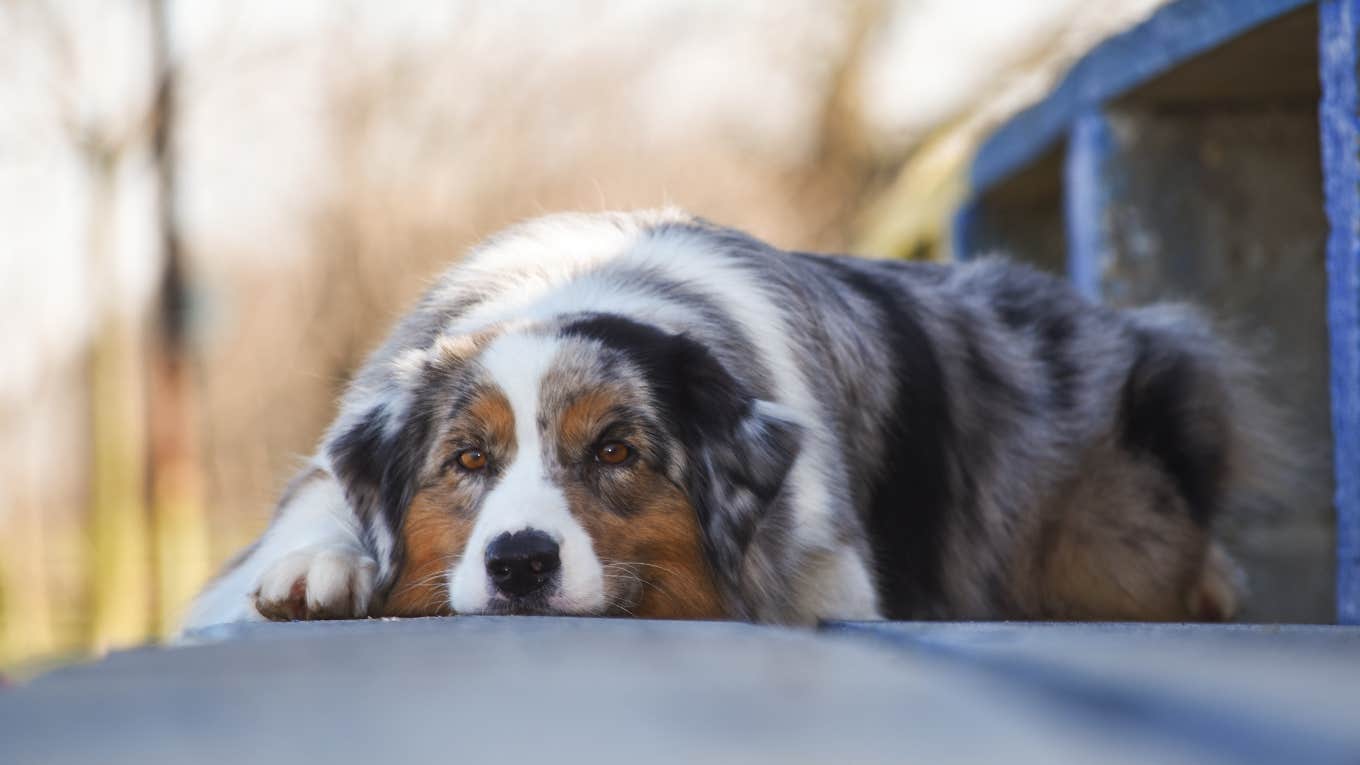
x=318, y=583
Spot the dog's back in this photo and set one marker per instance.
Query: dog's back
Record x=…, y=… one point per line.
x=1044, y=457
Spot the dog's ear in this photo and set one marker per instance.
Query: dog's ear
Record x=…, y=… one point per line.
x=380, y=444
x=377, y=456
x=740, y=450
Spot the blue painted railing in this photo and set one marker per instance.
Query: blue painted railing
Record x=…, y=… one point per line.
x=1086, y=200
x=1174, y=34
x=1073, y=122
x=1338, y=115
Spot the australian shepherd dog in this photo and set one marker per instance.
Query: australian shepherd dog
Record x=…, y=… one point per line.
x=650, y=415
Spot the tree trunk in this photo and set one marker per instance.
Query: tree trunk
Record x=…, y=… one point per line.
x=180, y=528
x=119, y=577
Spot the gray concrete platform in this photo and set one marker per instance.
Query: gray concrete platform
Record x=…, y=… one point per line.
x=526, y=689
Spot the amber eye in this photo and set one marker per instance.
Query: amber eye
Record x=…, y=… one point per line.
x=472, y=459
x=613, y=453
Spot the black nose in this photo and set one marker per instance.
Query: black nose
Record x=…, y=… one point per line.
x=522, y=562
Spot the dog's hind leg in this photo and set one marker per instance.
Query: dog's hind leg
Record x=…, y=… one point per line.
x=1215, y=596
x=1121, y=545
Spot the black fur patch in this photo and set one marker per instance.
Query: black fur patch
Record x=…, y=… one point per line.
x=1055, y=335
x=1165, y=413
x=914, y=493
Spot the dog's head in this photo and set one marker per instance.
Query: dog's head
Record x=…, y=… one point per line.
x=594, y=465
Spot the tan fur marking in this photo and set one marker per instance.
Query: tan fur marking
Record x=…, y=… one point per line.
x=434, y=537
x=583, y=417
x=656, y=553
x=492, y=411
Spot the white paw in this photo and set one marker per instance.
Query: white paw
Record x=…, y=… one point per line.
x=332, y=582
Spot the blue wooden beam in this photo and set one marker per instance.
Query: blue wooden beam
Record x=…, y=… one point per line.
x=1172, y=35
x=1086, y=196
x=1339, y=119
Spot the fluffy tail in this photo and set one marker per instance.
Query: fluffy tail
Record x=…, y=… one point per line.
x=1201, y=405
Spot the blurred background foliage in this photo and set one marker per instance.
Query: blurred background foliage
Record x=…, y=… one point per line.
x=210, y=210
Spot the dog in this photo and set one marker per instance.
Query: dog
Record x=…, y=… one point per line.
x=650, y=415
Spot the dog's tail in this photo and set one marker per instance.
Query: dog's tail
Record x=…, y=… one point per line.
x=1201, y=403
x=1224, y=407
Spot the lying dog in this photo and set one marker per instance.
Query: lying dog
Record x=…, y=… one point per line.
x=649, y=415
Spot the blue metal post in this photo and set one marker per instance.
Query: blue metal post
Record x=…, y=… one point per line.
x=1086, y=197
x=1340, y=124
x=964, y=235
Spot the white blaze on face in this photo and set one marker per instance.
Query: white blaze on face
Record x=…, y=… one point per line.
x=524, y=497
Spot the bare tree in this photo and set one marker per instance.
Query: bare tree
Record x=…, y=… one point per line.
x=180, y=543
x=145, y=550
x=118, y=573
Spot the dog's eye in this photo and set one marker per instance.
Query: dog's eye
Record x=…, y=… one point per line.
x=472, y=459
x=613, y=453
